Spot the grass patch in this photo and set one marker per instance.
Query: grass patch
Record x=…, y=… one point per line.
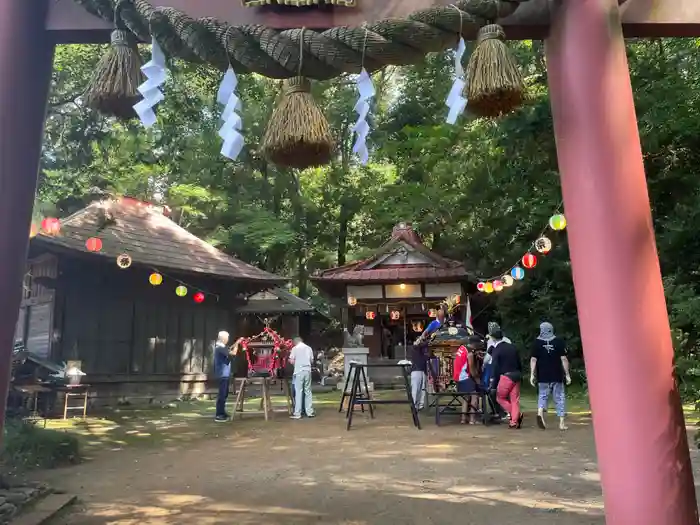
x=29, y=446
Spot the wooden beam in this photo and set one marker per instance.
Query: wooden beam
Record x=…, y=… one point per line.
x=70, y=23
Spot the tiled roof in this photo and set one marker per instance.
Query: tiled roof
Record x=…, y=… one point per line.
x=151, y=239
x=369, y=270
x=285, y=303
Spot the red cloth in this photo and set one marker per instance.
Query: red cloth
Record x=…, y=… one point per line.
x=461, y=358
x=508, y=396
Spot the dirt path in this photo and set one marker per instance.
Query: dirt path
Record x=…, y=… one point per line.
x=381, y=472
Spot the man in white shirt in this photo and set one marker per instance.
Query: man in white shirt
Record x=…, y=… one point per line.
x=301, y=357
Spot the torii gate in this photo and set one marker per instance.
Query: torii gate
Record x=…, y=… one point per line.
x=639, y=430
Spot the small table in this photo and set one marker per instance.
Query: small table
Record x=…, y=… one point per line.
x=32, y=392
x=80, y=392
x=357, y=375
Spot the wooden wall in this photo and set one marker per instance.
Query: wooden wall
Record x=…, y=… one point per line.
x=131, y=337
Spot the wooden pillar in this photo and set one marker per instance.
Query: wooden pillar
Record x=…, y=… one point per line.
x=638, y=421
x=26, y=54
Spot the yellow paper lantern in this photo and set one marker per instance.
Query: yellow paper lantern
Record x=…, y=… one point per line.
x=181, y=291
x=488, y=287
x=507, y=280
x=557, y=222
x=155, y=279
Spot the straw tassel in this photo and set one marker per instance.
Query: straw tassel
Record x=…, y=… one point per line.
x=112, y=90
x=495, y=84
x=298, y=135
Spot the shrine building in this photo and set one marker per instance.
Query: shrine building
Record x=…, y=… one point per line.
x=395, y=292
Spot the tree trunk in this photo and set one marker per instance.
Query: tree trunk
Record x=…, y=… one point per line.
x=343, y=235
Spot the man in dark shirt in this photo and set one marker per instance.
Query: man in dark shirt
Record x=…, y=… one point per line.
x=506, y=376
x=222, y=371
x=549, y=369
x=419, y=375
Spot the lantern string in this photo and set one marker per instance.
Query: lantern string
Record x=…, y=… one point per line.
x=532, y=246
x=185, y=284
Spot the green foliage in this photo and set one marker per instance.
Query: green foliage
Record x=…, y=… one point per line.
x=479, y=191
x=29, y=446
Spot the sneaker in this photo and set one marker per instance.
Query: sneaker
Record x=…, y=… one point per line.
x=221, y=419
x=540, y=422
x=294, y=417
x=311, y=415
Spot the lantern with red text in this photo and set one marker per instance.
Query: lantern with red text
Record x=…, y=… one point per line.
x=481, y=286
x=370, y=315
x=529, y=261
x=198, y=297
x=51, y=226
x=93, y=244
x=395, y=315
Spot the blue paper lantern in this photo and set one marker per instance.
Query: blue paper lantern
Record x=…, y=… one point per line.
x=518, y=273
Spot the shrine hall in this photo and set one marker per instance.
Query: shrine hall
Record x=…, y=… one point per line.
x=395, y=292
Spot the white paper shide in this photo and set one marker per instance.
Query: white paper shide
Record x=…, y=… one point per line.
x=230, y=131
x=455, y=101
x=156, y=74
x=361, y=127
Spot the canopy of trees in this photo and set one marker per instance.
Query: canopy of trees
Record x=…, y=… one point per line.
x=479, y=191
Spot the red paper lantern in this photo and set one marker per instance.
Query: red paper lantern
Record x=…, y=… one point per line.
x=94, y=244
x=529, y=261
x=370, y=315
x=395, y=315
x=198, y=297
x=51, y=226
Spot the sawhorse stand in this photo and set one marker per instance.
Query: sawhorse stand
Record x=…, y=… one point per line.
x=265, y=399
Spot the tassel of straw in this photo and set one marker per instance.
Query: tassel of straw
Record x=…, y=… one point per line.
x=495, y=84
x=112, y=90
x=298, y=134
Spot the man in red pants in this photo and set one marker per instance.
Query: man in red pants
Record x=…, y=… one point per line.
x=507, y=373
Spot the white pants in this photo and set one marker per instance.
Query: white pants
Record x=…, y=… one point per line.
x=418, y=384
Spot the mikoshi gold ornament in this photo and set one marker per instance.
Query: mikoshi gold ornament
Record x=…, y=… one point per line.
x=495, y=85
x=298, y=135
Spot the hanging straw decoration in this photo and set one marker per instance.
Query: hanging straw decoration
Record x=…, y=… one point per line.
x=112, y=89
x=229, y=132
x=156, y=75
x=495, y=84
x=298, y=135
x=455, y=101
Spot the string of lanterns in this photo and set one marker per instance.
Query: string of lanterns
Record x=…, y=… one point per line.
x=52, y=227
x=542, y=245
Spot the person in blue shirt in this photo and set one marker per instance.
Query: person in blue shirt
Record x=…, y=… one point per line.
x=222, y=371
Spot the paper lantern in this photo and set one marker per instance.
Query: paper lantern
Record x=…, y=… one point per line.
x=352, y=301
x=488, y=287
x=124, y=261
x=480, y=286
x=507, y=280
x=181, y=291
x=51, y=226
x=543, y=245
x=198, y=297
x=395, y=315
x=417, y=326
x=529, y=261
x=370, y=315
x=432, y=313
x=93, y=244
x=517, y=273
x=155, y=279
x=557, y=222
x=457, y=298
x=497, y=285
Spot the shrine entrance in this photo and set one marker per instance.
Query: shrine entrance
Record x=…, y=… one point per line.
x=646, y=475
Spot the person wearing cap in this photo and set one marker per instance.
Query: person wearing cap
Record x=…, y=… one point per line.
x=549, y=370
x=491, y=342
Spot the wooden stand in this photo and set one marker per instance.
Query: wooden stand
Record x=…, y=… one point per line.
x=265, y=399
x=82, y=393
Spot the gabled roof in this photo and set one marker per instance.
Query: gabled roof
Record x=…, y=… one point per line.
x=275, y=301
x=385, y=264
x=150, y=238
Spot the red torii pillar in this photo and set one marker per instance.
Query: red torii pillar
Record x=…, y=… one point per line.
x=26, y=55
x=637, y=415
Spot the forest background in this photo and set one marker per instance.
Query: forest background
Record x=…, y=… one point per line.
x=479, y=191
